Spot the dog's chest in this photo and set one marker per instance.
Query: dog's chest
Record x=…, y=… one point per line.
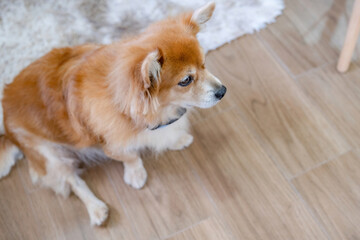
x=160, y=138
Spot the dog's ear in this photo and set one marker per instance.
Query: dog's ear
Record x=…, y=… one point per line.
x=203, y=14
x=151, y=68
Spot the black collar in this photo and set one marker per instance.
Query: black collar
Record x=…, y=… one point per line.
x=181, y=112
x=164, y=125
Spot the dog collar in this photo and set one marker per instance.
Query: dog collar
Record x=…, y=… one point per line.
x=181, y=111
x=164, y=125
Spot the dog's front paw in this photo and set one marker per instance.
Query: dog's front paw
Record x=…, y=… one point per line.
x=183, y=142
x=98, y=213
x=135, y=176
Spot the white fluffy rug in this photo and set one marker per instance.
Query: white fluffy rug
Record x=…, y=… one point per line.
x=30, y=28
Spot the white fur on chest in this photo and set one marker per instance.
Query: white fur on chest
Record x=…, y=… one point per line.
x=161, y=138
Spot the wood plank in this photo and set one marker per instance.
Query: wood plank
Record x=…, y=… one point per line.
x=332, y=191
x=338, y=96
x=17, y=218
x=287, y=124
x=251, y=194
x=171, y=200
x=309, y=33
x=210, y=229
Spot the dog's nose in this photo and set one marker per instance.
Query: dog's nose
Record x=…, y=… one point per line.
x=219, y=94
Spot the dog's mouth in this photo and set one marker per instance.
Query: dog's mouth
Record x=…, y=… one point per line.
x=181, y=111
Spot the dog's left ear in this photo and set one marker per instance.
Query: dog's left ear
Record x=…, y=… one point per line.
x=203, y=14
x=151, y=68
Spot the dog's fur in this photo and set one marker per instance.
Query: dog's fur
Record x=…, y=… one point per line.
x=92, y=101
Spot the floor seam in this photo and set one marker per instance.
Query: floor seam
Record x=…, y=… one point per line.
x=274, y=55
x=211, y=199
x=308, y=208
x=185, y=229
x=319, y=165
x=309, y=99
x=300, y=75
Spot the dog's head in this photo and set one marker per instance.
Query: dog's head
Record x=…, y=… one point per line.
x=172, y=73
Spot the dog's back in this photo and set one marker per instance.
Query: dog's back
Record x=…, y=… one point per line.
x=41, y=89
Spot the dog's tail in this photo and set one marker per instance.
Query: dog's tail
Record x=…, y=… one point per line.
x=9, y=154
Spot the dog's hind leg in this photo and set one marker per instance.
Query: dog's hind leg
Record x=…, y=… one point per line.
x=62, y=176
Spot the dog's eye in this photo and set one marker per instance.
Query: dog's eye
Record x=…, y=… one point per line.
x=186, y=81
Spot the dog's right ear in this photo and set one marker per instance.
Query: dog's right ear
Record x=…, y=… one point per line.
x=151, y=69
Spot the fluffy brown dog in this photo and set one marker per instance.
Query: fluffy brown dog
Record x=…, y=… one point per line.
x=107, y=101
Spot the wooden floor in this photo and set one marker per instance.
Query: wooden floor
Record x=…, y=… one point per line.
x=278, y=158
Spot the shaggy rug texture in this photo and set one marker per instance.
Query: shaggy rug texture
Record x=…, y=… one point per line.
x=31, y=28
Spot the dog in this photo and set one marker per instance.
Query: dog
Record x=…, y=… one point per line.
x=94, y=102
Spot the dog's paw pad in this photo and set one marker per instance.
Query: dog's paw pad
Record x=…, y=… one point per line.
x=98, y=213
x=135, y=176
x=183, y=142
